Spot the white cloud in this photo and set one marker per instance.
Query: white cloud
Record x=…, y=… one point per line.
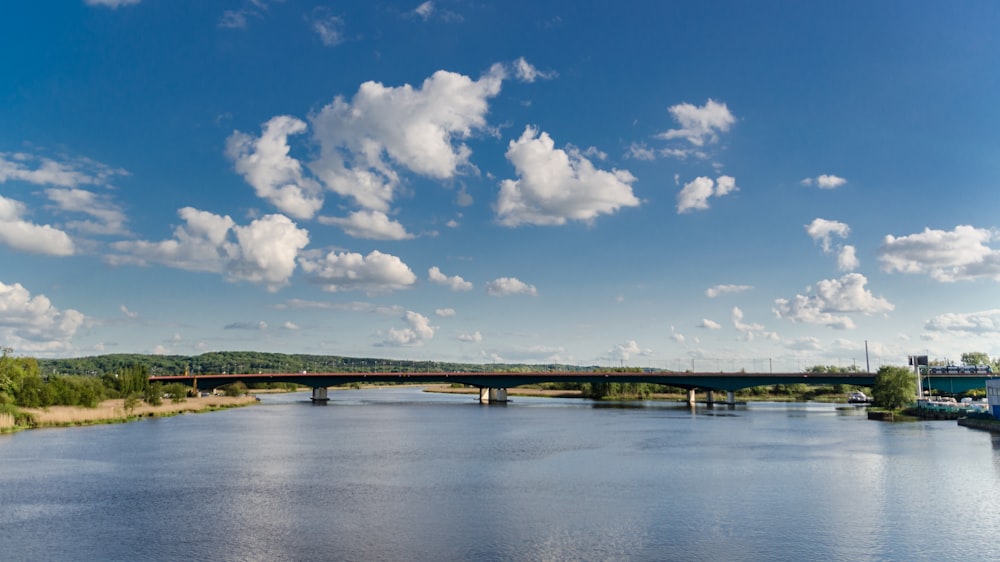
x=557, y=185
x=348, y=271
x=264, y=251
x=128, y=313
x=445, y=312
x=830, y=300
x=510, y=286
x=695, y=195
x=32, y=324
x=748, y=329
x=526, y=72
x=978, y=323
x=233, y=19
x=268, y=248
x=275, y=176
x=113, y=4
x=624, y=351
x=418, y=331
x=821, y=230
x=719, y=290
x=26, y=236
x=947, y=256
x=825, y=181
x=455, y=282
x=699, y=125
x=258, y=326
x=641, y=152
x=109, y=217
x=474, y=337
x=328, y=26
x=847, y=259
x=371, y=225
x=40, y=170
x=428, y=10
x=420, y=129
x=709, y=324
x=425, y=10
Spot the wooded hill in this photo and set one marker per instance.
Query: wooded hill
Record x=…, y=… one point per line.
x=241, y=362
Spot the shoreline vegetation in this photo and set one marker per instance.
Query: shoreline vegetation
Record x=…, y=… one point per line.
x=114, y=411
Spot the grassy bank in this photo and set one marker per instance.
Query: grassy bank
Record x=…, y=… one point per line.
x=114, y=411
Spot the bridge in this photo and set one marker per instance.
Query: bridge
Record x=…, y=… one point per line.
x=493, y=385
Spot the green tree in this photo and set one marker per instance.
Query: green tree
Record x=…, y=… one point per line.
x=974, y=358
x=894, y=387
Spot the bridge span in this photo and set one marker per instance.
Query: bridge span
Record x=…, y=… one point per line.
x=493, y=385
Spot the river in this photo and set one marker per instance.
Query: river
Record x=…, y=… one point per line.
x=399, y=474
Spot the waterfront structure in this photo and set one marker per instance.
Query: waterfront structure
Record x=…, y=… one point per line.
x=993, y=396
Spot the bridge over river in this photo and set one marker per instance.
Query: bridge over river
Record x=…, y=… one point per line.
x=493, y=385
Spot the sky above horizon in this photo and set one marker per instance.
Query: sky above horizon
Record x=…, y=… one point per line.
x=707, y=185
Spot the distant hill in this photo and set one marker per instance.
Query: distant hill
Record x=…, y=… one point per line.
x=219, y=362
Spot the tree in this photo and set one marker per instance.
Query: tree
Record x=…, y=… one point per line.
x=974, y=358
x=894, y=387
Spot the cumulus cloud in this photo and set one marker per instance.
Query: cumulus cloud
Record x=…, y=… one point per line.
x=31, y=324
x=275, y=176
x=719, y=290
x=958, y=255
x=557, y=185
x=363, y=140
x=824, y=181
x=977, y=323
x=694, y=195
x=455, y=283
x=624, y=351
x=709, y=324
x=474, y=337
x=265, y=251
x=847, y=259
x=27, y=236
x=504, y=286
x=348, y=271
x=699, y=125
x=526, y=72
x=417, y=331
x=128, y=313
x=371, y=225
x=828, y=302
x=445, y=312
x=822, y=230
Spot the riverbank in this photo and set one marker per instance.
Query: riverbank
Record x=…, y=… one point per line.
x=113, y=411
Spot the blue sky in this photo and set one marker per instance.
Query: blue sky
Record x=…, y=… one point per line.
x=716, y=185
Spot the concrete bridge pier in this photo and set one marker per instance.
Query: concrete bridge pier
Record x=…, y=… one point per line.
x=731, y=398
x=709, y=398
x=489, y=395
x=691, y=397
x=319, y=395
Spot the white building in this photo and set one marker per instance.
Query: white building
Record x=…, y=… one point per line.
x=993, y=396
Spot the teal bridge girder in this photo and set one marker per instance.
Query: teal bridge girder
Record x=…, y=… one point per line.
x=951, y=384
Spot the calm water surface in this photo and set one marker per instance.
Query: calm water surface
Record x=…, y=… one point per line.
x=397, y=474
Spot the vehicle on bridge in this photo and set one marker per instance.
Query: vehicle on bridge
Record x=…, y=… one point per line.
x=959, y=370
